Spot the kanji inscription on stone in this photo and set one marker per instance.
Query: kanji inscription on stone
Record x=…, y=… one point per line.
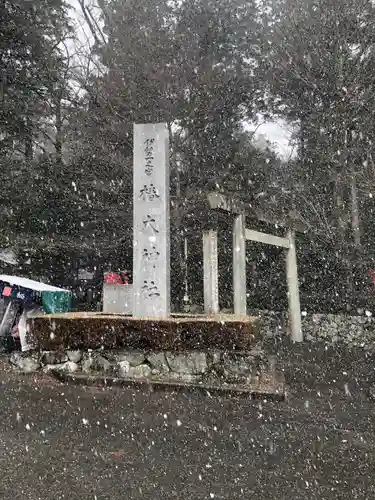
x=149, y=223
x=150, y=289
x=151, y=254
x=151, y=259
x=149, y=193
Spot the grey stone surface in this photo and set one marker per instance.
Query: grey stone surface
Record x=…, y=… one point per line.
x=53, y=358
x=50, y=368
x=214, y=358
x=193, y=363
x=26, y=364
x=190, y=366
x=185, y=377
x=87, y=365
x=210, y=272
x=69, y=367
x=134, y=358
x=29, y=365
x=102, y=364
x=158, y=362
x=151, y=232
x=239, y=265
x=356, y=331
x=123, y=368
x=238, y=364
x=117, y=298
x=141, y=371
x=74, y=356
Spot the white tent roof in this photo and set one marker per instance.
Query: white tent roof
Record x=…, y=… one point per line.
x=27, y=283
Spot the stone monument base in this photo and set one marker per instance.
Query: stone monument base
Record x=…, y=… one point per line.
x=175, y=333
x=250, y=372
x=221, y=352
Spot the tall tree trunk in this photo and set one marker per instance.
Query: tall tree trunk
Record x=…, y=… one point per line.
x=339, y=207
x=354, y=206
x=59, y=132
x=28, y=139
x=355, y=211
x=178, y=228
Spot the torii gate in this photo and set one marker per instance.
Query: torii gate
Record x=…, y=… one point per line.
x=241, y=234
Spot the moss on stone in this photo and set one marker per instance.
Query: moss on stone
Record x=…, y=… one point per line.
x=177, y=333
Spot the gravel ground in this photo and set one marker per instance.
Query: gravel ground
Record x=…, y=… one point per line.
x=59, y=441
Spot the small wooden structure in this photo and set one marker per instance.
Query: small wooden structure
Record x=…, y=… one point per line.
x=241, y=234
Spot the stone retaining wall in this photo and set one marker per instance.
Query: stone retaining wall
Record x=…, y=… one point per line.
x=190, y=367
x=204, y=365
x=331, y=328
x=352, y=330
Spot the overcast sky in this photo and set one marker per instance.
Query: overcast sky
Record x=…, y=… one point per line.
x=278, y=133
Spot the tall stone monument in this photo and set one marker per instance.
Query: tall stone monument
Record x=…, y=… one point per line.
x=151, y=236
x=210, y=272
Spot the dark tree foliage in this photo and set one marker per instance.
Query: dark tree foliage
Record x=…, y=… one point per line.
x=31, y=69
x=206, y=68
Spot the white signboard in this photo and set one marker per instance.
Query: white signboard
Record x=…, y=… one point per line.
x=84, y=274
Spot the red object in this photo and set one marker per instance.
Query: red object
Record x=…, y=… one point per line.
x=7, y=291
x=125, y=278
x=112, y=279
x=372, y=275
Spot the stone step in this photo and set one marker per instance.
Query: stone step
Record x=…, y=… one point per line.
x=265, y=386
